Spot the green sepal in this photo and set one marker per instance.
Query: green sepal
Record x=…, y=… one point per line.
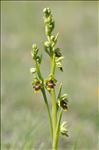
x=48, y=48
x=49, y=28
x=58, y=62
x=33, y=70
x=55, y=40
x=63, y=102
x=59, y=59
x=63, y=129
x=64, y=97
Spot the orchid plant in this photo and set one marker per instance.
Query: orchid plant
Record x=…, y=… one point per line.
x=59, y=101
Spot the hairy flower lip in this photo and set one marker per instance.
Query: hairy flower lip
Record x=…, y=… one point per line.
x=37, y=86
x=63, y=104
x=50, y=84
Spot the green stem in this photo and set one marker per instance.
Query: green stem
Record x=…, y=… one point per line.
x=54, y=104
x=48, y=110
x=54, y=116
x=53, y=65
x=56, y=137
x=38, y=71
x=45, y=99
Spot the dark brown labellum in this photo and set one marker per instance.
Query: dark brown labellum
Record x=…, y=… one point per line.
x=37, y=86
x=50, y=84
x=63, y=104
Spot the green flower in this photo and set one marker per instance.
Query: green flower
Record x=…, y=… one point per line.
x=59, y=60
x=63, y=129
x=63, y=102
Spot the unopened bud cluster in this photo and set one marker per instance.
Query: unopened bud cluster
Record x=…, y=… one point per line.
x=48, y=21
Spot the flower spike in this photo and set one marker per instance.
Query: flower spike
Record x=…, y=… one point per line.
x=59, y=104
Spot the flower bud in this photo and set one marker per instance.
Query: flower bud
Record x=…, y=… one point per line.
x=49, y=28
x=34, y=46
x=33, y=70
x=48, y=20
x=47, y=11
x=47, y=44
x=53, y=38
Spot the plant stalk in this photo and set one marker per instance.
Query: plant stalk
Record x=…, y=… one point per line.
x=54, y=104
x=46, y=101
x=53, y=65
x=54, y=117
x=56, y=137
x=48, y=110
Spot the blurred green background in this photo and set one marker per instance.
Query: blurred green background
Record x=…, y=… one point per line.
x=24, y=117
